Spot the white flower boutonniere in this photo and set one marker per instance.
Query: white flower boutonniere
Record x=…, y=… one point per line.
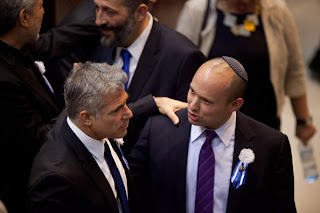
x=41, y=66
x=239, y=174
x=119, y=141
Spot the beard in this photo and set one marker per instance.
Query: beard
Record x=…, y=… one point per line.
x=121, y=33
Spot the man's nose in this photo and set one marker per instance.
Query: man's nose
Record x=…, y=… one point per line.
x=194, y=103
x=128, y=113
x=100, y=19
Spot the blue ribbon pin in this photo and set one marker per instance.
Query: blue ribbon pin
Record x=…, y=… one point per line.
x=239, y=174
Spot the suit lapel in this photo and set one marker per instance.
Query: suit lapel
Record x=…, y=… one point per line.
x=89, y=164
x=35, y=84
x=93, y=170
x=244, y=136
x=147, y=61
x=45, y=88
x=178, y=152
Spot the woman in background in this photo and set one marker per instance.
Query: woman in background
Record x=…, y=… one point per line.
x=262, y=35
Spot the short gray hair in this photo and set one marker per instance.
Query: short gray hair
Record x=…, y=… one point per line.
x=86, y=84
x=9, y=11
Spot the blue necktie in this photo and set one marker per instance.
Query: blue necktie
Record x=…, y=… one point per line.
x=117, y=179
x=205, y=176
x=126, y=64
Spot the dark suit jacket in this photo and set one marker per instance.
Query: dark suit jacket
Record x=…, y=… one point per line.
x=158, y=167
x=66, y=178
x=28, y=108
x=165, y=69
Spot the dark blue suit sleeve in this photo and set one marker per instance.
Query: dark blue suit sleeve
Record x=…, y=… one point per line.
x=138, y=161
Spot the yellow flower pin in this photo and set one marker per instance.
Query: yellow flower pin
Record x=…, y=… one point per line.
x=249, y=25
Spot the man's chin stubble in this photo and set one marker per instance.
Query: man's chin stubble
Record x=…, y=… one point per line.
x=105, y=42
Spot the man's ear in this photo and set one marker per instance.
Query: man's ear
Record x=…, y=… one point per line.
x=23, y=18
x=140, y=12
x=85, y=118
x=236, y=104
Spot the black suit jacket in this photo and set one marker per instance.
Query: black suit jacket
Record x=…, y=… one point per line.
x=66, y=178
x=28, y=110
x=158, y=166
x=165, y=69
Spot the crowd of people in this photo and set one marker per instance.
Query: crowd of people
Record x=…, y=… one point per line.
x=133, y=116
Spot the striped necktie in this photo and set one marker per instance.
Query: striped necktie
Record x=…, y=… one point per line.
x=205, y=176
x=117, y=179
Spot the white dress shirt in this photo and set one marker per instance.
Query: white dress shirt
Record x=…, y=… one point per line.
x=223, y=147
x=96, y=148
x=135, y=49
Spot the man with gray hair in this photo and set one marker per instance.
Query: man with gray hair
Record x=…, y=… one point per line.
x=81, y=167
x=217, y=159
x=27, y=103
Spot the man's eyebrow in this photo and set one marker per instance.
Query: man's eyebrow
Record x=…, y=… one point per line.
x=200, y=96
x=107, y=8
x=118, y=107
x=121, y=105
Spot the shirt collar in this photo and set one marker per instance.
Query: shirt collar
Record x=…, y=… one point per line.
x=137, y=46
x=94, y=146
x=226, y=132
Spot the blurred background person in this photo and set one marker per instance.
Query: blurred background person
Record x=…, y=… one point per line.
x=314, y=64
x=2, y=208
x=262, y=35
x=151, y=4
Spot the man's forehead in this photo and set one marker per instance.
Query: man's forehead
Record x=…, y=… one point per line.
x=201, y=89
x=115, y=99
x=212, y=81
x=116, y=95
x=110, y=3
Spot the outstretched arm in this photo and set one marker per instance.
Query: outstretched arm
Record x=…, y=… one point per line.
x=303, y=131
x=150, y=105
x=168, y=107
